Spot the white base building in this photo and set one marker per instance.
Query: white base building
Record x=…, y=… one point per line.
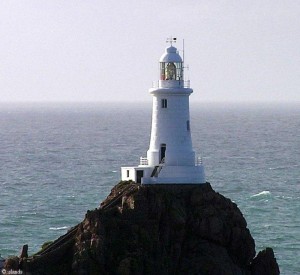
x=170, y=158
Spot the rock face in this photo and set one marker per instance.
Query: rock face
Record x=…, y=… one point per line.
x=157, y=229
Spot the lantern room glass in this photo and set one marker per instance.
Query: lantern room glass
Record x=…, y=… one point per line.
x=171, y=71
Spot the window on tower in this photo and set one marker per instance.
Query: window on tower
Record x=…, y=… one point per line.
x=164, y=103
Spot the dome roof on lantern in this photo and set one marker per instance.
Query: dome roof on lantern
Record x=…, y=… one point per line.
x=170, y=55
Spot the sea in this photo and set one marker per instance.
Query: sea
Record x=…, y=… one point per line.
x=58, y=160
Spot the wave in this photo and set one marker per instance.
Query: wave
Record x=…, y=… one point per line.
x=279, y=168
x=240, y=157
x=263, y=193
x=283, y=167
x=59, y=228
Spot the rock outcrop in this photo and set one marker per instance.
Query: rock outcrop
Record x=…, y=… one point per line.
x=157, y=229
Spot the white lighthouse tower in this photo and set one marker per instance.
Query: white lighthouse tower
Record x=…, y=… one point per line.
x=170, y=158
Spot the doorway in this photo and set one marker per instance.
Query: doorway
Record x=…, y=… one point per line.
x=163, y=148
x=139, y=175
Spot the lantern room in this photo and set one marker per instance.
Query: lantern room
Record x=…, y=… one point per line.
x=171, y=65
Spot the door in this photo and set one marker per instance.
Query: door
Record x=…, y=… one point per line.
x=163, y=148
x=139, y=175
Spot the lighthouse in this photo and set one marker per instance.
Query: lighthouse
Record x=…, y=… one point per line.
x=170, y=157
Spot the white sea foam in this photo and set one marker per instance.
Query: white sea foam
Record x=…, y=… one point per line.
x=283, y=167
x=278, y=168
x=59, y=228
x=240, y=157
x=263, y=193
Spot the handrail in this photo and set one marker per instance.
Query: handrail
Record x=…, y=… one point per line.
x=158, y=168
x=72, y=231
x=127, y=189
x=57, y=242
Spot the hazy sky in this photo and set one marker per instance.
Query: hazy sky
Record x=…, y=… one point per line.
x=88, y=50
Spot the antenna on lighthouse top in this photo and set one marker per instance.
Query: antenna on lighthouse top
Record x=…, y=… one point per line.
x=182, y=50
x=171, y=40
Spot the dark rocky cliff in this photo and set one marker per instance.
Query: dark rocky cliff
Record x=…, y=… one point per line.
x=161, y=229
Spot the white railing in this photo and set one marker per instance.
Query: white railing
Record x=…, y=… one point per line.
x=186, y=83
x=198, y=161
x=170, y=83
x=143, y=161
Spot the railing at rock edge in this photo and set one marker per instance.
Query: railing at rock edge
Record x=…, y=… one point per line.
x=198, y=161
x=143, y=161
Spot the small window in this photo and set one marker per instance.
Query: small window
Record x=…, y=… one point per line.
x=164, y=103
x=188, y=127
x=127, y=173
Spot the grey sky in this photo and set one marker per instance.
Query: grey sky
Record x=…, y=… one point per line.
x=88, y=50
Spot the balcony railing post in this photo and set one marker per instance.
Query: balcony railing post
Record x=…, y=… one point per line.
x=198, y=161
x=143, y=161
